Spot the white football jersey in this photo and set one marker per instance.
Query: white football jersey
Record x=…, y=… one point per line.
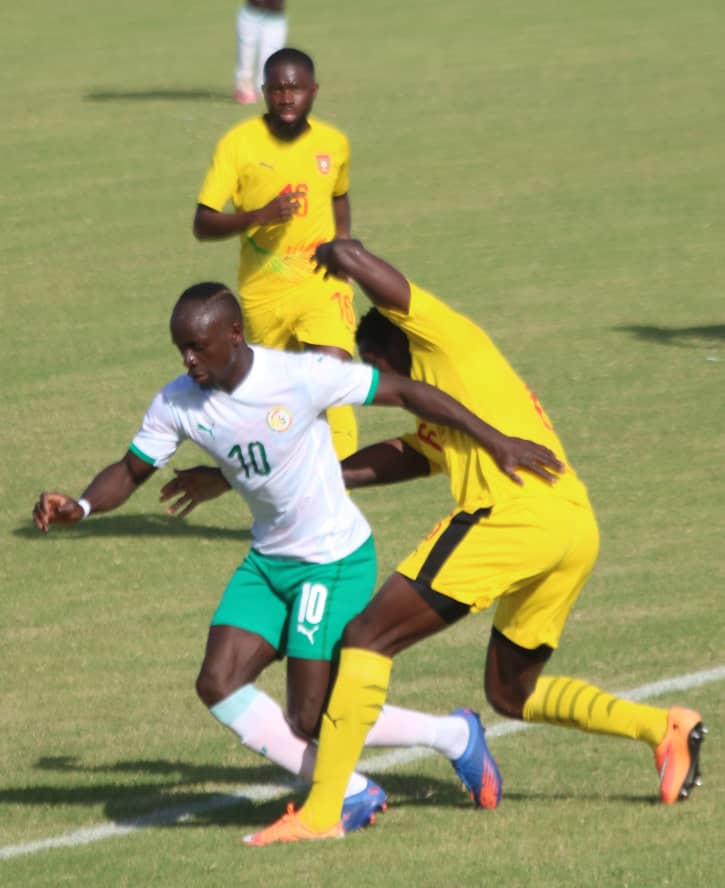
x=272, y=442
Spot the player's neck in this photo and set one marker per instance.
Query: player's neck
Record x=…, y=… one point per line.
x=241, y=370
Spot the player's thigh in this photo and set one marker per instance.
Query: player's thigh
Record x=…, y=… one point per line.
x=535, y=611
x=324, y=314
x=324, y=598
x=250, y=602
x=402, y=613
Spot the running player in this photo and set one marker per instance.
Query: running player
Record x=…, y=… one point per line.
x=287, y=176
x=529, y=549
x=257, y=413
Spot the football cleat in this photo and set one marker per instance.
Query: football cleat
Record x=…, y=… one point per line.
x=476, y=767
x=677, y=758
x=289, y=829
x=360, y=810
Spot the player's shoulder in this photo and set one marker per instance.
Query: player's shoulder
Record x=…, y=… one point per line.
x=250, y=129
x=180, y=392
x=423, y=302
x=327, y=130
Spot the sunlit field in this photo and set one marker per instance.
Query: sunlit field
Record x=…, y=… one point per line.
x=554, y=169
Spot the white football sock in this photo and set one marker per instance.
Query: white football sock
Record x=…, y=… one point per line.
x=447, y=734
x=260, y=724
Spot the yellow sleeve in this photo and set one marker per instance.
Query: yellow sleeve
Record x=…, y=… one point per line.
x=342, y=183
x=222, y=178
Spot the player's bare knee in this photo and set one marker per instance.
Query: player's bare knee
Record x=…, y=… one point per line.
x=505, y=701
x=211, y=687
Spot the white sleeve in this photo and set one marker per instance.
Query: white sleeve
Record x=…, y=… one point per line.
x=333, y=382
x=160, y=434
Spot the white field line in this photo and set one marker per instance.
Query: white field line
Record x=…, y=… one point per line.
x=265, y=792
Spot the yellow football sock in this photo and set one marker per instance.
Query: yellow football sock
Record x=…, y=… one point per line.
x=559, y=700
x=343, y=427
x=354, y=707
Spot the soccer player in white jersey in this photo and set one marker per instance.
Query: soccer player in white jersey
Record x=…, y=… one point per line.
x=260, y=414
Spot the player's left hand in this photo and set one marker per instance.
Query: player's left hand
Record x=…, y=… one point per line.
x=512, y=454
x=327, y=257
x=192, y=486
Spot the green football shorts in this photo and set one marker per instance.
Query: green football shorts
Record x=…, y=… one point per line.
x=300, y=608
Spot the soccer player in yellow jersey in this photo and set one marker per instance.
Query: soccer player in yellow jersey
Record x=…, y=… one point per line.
x=286, y=176
x=528, y=548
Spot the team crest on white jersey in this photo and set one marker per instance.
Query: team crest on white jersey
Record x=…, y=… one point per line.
x=323, y=163
x=279, y=419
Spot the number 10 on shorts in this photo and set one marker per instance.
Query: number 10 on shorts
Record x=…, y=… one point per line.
x=311, y=609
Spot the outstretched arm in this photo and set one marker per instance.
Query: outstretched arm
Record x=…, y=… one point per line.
x=433, y=405
x=384, y=463
x=384, y=285
x=110, y=488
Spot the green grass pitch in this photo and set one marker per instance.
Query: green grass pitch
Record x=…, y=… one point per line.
x=553, y=168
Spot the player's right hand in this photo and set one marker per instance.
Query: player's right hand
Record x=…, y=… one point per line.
x=281, y=209
x=55, y=508
x=511, y=454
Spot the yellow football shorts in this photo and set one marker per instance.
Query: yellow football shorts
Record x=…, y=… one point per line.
x=532, y=556
x=315, y=312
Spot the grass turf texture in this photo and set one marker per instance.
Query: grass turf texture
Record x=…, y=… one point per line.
x=552, y=168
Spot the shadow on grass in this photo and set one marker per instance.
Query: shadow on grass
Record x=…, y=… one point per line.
x=254, y=795
x=133, y=525
x=160, y=95
x=683, y=337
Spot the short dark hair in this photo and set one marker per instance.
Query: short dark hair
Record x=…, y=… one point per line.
x=376, y=330
x=212, y=295
x=289, y=56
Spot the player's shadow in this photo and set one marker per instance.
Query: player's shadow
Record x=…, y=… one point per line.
x=166, y=793
x=133, y=525
x=172, y=94
x=161, y=793
x=682, y=337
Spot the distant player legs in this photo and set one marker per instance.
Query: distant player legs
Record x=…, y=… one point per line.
x=273, y=36
x=260, y=32
x=249, y=27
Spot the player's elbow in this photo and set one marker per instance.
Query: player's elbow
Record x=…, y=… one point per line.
x=202, y=225
x=199, y=229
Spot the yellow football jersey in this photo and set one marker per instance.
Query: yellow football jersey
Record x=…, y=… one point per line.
x=451, y=352
x=251, y=167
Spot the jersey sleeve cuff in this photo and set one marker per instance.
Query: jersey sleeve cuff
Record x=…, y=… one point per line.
x=141, y=455
x=373, y=386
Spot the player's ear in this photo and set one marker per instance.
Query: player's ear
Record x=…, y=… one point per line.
x=237, y=332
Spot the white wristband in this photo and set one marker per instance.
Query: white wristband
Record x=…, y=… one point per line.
x=86, y=506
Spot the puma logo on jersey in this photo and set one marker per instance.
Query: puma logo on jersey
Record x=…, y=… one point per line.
x=268, y=166
x=208, y=429
x=308, y=632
